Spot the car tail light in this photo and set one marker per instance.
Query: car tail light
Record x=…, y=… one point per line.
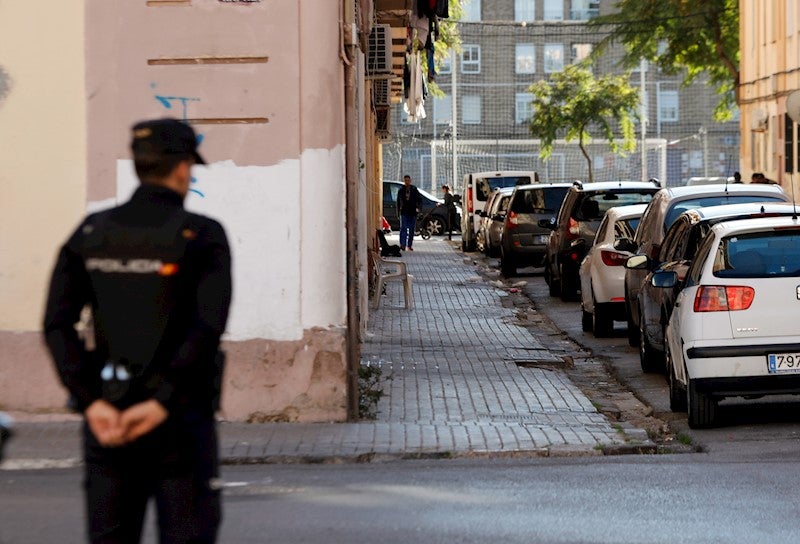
x=612, y=258
x=723, y=298
x=573, y=229
x=469, y=200
x=511, y=220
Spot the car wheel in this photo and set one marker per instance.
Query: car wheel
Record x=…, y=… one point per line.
x=552, y=285
x=633, y=330
x=568, y=287
x=702, y=407
x=480, y=242
x=677, y=394
x=436, y=226
x=587, y=321
x=507, y=266
x=650, y=359
x=603, y=321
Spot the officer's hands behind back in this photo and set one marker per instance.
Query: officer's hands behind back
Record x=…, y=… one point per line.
x=113, y=428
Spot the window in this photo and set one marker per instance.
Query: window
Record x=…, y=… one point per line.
x=472, y=10
x=583, y=10
x=524, y=108
x=524, y=10
x=668, y=106
x=553, y=10
x=553, y=57
x=471, y=109
x=442, y=110
x=580, y=51
x=525, y=58
x=446, y=63
x=470, y=59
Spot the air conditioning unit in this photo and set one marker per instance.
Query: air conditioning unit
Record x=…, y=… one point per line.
x=381, y=93
x=382, y=124
x=379, y=54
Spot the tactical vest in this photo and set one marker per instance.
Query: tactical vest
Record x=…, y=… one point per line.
x=135, y=274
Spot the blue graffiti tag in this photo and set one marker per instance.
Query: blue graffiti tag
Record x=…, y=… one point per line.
x=168, y=102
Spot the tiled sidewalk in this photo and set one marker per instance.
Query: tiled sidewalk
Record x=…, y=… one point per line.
x=451, y=381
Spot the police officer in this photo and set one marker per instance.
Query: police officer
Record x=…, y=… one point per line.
x=157, y=280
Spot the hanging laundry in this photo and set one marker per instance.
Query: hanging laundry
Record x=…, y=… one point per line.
x=415, y=103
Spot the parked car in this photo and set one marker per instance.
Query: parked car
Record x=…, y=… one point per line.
x=602, y=273
x=524, y=241
x=677, y=252
x=435, y=217
x=475, y=191
x=666, y=206
x=574, y=228
x=492, y=219
x=734, y=329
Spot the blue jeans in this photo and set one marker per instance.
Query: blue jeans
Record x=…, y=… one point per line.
x=407, y=224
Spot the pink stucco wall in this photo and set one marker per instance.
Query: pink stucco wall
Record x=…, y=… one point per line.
x=299, y=90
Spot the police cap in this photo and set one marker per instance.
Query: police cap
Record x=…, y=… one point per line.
x=166, y=136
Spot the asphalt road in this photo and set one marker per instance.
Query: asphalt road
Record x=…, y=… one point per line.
x=625, y=499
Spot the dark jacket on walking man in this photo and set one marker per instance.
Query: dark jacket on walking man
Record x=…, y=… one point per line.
x=450, y=206
x=408, y=201
x=157, y=280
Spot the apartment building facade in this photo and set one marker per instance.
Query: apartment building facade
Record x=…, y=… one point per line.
x=770, y=73
x=509, y=44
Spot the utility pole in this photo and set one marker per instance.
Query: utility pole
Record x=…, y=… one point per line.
x=643, y=114
x=454, y=120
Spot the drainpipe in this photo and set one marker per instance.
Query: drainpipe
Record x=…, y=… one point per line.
x=349, y=57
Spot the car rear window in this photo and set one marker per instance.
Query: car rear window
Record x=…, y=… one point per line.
x=539, y=200
x=485, y=186
x=678, y=208
x=626, y=228
x=594, y=205
x=759, y=255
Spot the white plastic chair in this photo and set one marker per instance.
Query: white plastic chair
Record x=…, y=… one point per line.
x=387, y=270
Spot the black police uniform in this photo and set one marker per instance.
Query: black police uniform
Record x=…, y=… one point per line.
x=158, y=318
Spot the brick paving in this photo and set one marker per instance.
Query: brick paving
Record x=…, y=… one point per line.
x=451, y=382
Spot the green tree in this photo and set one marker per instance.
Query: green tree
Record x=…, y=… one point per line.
x=573, y=102
x=700, y=37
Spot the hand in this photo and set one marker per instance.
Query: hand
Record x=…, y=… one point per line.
x=104, y=422
x=141, y=418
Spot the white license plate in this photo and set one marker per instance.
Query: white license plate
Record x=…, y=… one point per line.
x=540, y=239
x=783, y=363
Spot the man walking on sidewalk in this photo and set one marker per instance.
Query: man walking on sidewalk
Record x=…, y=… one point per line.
x=157, y=279
x=408, y=200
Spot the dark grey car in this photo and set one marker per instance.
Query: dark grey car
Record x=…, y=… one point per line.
x=524, y=242
x=576, y=225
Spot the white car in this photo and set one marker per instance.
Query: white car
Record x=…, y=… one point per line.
x=734, y=330
x=602, y=271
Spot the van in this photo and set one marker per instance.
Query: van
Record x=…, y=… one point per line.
x=475, y=191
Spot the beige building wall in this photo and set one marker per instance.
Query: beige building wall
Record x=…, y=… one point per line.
x=262, y=82
x=42, y=180
x=770, y=71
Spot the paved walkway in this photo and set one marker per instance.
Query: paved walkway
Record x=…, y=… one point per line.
x=460, y=378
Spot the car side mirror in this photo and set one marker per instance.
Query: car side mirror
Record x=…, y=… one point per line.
x=580, y=244
x=625, y=244
x=665, y=279
x=637, y=262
